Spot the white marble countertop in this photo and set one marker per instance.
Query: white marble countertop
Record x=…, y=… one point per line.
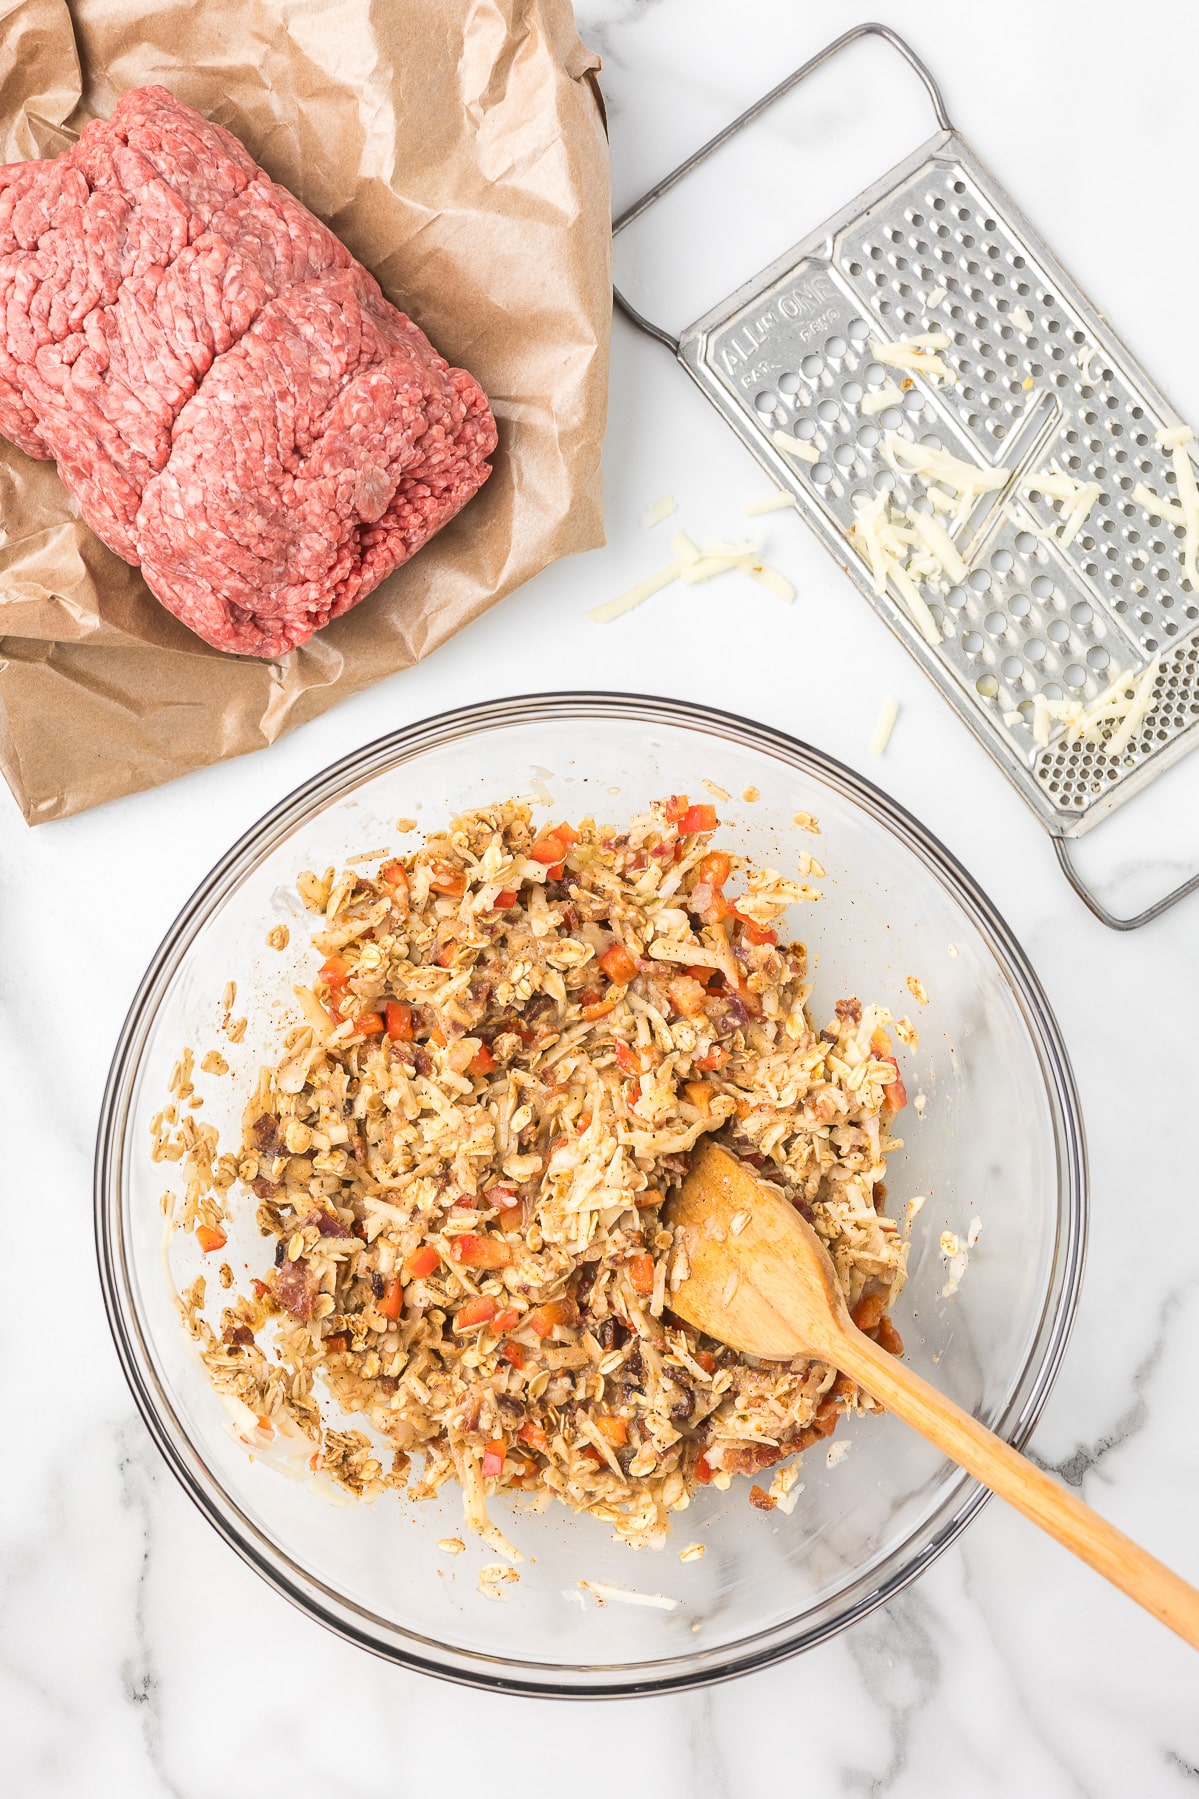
x=1008, y=1669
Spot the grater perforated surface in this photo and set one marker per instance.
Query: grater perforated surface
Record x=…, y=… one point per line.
x=1037, y=377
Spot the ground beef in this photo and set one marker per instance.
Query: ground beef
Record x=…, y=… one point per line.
x=233, y=403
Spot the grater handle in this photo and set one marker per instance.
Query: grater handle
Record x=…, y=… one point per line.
x=869, y=29
x=1100, y=910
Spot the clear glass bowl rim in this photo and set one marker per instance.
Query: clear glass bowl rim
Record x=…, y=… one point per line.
x=1028, y=1390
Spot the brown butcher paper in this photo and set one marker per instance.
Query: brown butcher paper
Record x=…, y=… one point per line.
x=457, y=148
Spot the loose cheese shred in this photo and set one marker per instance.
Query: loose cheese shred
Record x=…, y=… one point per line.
x=883, y=397
x=935, y=298
x=769, y=502
x=1076, y=498
x=693, y=565
x=883, y=543
x=660, y=509
x=1120, y=710
x=1134, y=718
x=1153, y=503
x=795, y=446
x=969, y=478
x=633, y=596
x=601, y=1592
x=771, y=580
x=917, y=605
x=883, y=729
x=940, y=544
x=1020, y=319
x=866, y=520
x=914, y=353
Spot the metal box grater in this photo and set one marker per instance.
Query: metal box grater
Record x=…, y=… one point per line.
x=1036, y=377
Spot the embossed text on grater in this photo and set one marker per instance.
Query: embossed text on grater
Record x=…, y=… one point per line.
x=1036, y=378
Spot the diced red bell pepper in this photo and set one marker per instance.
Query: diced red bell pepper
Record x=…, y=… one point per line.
x=209, y=1238
x=392, y=1302
x=542, y=1319
x=686, y=996
x=395, y=876
x=641, y=1273
x=482, y=1062
x=676, y=807
x=613, y=1430
x=703, y=1471
x=422, y=1262
x=337, y=1344
x=503, y=1321
x=505, y=899
x=715, y=868
x=696, y=819
x=334, y=973
x=627, y=1058
x=481, y=1252
x=493, y=1459
x=473, y=1312
x=514, y=1353
x=369, y=1024
x=398, y=1017
x=534, y=1435
x=715, y=1058
x=445, y=878
x=596, y=1009
x=511, y=1217
x=618, y=965
x=444, y=957
x=754, y=933
x=549, y=849
x=880, y=1042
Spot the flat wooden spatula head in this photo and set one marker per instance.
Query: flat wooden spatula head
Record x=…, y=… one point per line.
x=760, y=1279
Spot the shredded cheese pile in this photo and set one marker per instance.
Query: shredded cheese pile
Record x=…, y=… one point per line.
x=905, y=546
x=692, y=565
x=1076, y=499
x=1112, y=720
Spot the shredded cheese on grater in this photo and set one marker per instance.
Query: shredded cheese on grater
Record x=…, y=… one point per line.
x=795, y=446
x=1076, y=498
x=917, y=353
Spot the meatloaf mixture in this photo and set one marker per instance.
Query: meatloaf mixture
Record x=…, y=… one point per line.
x=511, y=1041
x=233, y=403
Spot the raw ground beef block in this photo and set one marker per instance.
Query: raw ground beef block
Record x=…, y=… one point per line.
x=226, y=392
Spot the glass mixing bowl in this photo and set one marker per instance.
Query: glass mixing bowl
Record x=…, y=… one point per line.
x=1000, y=1141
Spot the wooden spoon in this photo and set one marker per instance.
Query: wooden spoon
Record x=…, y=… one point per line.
x=761, y=1281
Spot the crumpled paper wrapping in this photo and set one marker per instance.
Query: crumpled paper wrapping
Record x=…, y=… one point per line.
x=457, y=148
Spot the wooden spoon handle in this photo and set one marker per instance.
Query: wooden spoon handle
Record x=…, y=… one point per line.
x=1006, y=1472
